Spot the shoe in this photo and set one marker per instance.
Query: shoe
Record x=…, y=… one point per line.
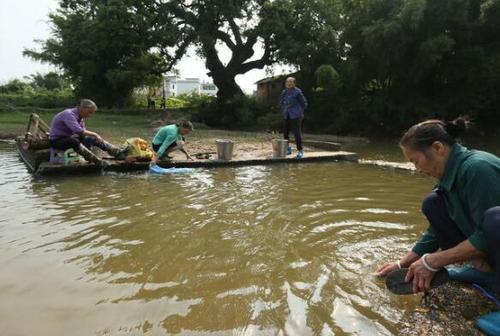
x=122, y=153
x=300, y=154
x=490, y=323
x=289, y=150
x=119, y=153
x=395, y=281
x=471, y=275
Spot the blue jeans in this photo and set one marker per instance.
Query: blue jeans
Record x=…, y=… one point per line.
x=448, y=234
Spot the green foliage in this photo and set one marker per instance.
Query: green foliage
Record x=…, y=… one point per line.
x=241, y=112
x=39, y=98
x=365, y=66
x=43, y=91
x=49, y=81
x=14, y=86
x=238, y=25
x=327, y=77
x=194, y=99
x=399, y=61
x=109, y=48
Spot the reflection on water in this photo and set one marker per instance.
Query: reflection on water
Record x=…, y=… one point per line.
x=252, y=251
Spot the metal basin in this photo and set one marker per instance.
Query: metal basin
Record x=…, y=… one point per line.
x=224, y=149
x=279, y=148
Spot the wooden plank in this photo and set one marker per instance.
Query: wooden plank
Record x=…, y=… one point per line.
x=47, y=169
x=114, y=166
x=309, y=157
x=31, y=158
x=325, y=145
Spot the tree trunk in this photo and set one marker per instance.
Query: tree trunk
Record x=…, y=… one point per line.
x=226, y=85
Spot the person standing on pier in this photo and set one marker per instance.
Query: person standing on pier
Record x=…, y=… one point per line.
x=293, y=104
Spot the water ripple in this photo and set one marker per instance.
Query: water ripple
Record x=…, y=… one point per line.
x=284, y=249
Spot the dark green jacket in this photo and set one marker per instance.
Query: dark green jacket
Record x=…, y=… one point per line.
x=470, y=186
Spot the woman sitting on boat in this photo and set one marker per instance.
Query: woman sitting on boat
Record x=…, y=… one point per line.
x=463, y=212
x=171, y=138
x=68, y=131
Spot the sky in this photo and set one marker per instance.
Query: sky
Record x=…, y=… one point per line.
x=23, y=21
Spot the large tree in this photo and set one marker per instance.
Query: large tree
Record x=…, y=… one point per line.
x=108, y=48
x=241, y=26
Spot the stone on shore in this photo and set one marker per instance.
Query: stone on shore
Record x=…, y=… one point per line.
x=449, y=310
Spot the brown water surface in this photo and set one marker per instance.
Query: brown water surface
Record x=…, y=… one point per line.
x=265, y=250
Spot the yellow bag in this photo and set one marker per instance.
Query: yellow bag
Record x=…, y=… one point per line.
x=138, y=149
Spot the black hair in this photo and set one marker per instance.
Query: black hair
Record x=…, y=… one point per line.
x=422, y=135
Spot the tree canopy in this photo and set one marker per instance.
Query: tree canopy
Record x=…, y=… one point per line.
x=389, y=62
x=108, y=48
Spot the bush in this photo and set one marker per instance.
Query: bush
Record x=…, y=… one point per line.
x=241, y=113
x=327, y=77
x=39, y=98
x=14, y=86
x=195, y=99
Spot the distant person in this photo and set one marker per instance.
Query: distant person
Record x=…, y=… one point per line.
x=293, y=104
x=171, y=138
x=463, y=212
x=68, y=131
x=163, y=103
x=151, y=102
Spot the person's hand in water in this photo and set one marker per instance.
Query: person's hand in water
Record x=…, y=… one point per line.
x=420, y=275
x=386, y=268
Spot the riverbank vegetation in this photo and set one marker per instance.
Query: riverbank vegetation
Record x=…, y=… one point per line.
x=370, y=67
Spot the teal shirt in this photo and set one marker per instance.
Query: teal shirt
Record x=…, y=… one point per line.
x=470, y=186
x=165, y=137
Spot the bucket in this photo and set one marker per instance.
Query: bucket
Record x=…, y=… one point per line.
x=224, y=149
x=280, y=147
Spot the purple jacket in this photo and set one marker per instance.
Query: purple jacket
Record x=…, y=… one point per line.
x=293, y=103
x=66, y=124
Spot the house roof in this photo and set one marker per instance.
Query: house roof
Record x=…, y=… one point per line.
x=274, y=78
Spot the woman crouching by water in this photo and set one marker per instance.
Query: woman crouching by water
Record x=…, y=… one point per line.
x=463, y=211
x=171, y=138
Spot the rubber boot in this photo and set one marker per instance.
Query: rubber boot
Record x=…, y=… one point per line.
x=119, y=153
x=471, y=275
x=89, y=156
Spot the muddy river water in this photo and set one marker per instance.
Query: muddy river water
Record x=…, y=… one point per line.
x=263, y=250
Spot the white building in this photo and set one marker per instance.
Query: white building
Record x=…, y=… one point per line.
x=175, y=86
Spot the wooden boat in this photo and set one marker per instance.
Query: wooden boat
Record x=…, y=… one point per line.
x=34, y=150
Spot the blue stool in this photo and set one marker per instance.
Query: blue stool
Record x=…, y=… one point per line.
x=66, y=157
x=56, y=156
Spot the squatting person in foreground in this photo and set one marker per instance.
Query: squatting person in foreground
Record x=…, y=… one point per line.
x=68, y=131
x=463, y=212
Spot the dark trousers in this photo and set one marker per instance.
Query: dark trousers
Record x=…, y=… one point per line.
x=448, y=235
x=74, y=142
x=294, y=125
x=491, y=229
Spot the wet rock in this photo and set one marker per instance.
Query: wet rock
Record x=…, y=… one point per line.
x=448, y=310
